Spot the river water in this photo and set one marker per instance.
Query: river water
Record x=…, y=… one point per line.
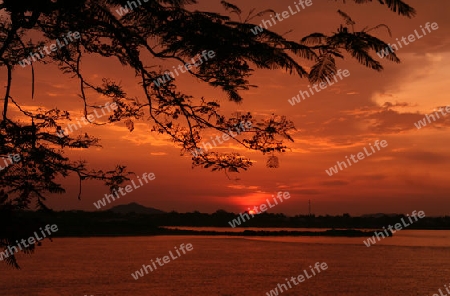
x=411, y=263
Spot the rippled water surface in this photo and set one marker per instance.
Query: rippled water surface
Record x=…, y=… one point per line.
x=411, y=263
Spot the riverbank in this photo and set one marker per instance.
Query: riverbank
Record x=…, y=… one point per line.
x=175, y=231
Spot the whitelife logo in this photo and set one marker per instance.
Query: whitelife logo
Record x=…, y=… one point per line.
x=284, y=15
x=411, y=38
x=360, y=155
x=372, y=240
x=322, y=86
x=166, y=259
x=168, y=76
x=12, y=158
x=262, y=207
x=423, y=122
x=31, y=240
x=53, y=48
x=101, y=202
x=225, y=137
x=90, y=118
x=124, y=9
x=440, y=292
x=318, y=266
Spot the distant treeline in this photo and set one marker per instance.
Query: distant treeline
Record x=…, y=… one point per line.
x=79, y=223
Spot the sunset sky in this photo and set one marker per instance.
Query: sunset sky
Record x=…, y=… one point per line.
x=411, y=173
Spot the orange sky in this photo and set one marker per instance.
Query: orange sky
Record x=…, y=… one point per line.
x=410, y=174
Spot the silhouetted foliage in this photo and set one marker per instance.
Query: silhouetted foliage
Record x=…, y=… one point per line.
x=165, y=30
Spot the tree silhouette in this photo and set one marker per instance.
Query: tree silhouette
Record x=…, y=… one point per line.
x=164, y=30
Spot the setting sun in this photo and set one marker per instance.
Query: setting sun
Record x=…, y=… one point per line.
x=231, y=147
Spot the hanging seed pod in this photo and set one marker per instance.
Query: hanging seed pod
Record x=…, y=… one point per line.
x=272, y=162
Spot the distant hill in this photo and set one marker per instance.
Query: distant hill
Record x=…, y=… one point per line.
x=136, y=208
